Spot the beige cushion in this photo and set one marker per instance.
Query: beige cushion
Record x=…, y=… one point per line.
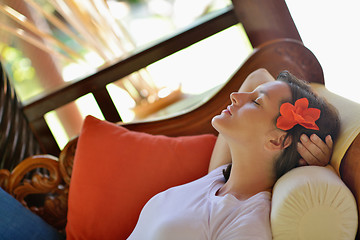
x=313, y=203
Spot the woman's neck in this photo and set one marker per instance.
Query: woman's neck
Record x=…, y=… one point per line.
x=251, y=173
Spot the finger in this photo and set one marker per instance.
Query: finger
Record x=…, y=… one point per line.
x=315, y=139
x=329, y=142
x=306, y=155
x=302, y=162
x=325, y=147
x=312, y=153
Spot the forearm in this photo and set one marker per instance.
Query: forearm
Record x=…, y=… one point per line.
x=220, y=155
x=256, y=78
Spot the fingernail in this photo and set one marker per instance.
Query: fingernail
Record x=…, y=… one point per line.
x=302, y=162
x=304, y=138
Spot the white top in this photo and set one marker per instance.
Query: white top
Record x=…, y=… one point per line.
x=193, y=211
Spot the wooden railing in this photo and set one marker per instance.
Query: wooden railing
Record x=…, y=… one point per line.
x=263, y=21
x=96, y=83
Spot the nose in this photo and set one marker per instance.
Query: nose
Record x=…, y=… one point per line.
x=238, y=98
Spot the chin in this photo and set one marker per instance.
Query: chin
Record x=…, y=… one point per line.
x=215, y=122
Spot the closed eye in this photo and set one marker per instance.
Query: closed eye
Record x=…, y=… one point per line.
x=255, y=102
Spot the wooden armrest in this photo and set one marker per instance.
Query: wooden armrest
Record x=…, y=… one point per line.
x=36, y=182
x=41, y=184
x=66, y=159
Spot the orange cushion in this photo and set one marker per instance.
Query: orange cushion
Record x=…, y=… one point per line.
x=116, y=171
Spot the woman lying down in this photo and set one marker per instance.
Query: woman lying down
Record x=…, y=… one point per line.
x=269, y=128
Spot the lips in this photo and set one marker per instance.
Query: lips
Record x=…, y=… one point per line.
x=227, y=110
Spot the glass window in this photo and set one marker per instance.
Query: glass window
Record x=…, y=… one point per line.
x=47, y=44
x=213, y=61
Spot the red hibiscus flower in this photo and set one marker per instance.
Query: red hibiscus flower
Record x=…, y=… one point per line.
x=298, y=114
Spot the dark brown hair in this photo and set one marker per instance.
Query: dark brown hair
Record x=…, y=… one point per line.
x=328, y=124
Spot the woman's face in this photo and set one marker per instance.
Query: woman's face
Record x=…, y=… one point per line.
x=252, y=114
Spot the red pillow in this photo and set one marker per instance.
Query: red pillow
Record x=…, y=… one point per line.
x=116, y=171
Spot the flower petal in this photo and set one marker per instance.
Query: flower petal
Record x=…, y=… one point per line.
x=285, y=123
x=302, y=103
x=299, y=113
x=309, y=125
x=313, y=112
x=286, y=109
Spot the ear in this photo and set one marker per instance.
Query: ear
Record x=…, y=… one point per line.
x=277, y=141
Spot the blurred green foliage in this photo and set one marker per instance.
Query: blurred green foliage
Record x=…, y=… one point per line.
x=20, y=72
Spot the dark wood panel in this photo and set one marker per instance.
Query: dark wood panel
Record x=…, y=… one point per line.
x=349, y=171
x=265, y=20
